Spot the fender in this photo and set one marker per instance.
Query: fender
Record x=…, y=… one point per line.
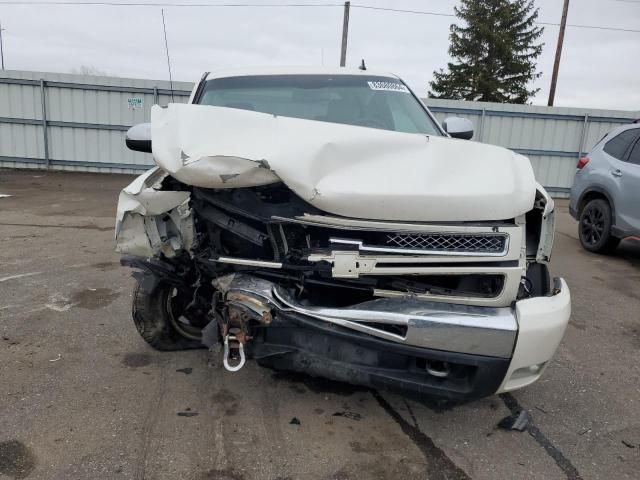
x=605, y=193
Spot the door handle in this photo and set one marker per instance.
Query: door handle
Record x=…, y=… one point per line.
x=616, y=173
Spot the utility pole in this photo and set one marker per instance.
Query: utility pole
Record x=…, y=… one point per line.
x=556, y=63
x=345, y=34
x=1, y=47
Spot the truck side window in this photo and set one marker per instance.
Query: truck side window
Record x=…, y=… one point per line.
x=618, y=145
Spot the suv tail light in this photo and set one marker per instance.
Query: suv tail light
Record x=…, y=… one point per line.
x=582, y=162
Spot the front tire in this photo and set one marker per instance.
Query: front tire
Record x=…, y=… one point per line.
x=156, y=315
x=594, y=229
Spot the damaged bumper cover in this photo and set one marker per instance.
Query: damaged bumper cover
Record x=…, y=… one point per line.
x=150, y=221
x=457, y=352
x=298, y=343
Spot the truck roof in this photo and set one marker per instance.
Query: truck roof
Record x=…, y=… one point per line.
x=299, y=70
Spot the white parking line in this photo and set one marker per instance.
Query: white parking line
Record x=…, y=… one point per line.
x=11, y=277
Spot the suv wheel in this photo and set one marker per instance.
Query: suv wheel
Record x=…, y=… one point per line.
x=595, y=227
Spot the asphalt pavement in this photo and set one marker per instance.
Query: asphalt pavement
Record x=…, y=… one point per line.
x=83, y=397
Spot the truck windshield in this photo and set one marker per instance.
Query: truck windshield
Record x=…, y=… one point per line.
x=368, y=101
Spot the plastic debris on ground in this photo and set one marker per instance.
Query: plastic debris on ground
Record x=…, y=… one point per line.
x=518, y=421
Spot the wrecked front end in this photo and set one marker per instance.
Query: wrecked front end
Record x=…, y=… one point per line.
x=289, y=268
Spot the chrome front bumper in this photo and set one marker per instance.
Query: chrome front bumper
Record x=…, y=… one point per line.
x=441, y=326
x=524, y=338
x=535, y=323
x=485, y=331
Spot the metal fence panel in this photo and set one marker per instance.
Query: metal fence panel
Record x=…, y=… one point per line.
x=552, y=137
x=87, y=117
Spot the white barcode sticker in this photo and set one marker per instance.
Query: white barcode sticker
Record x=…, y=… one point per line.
x=388, y=86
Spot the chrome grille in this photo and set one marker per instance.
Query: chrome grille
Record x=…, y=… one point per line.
x=449, y=242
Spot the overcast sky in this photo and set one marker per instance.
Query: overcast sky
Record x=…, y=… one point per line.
x=599, y=69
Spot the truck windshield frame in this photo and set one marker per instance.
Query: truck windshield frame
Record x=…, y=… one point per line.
x=361, y=100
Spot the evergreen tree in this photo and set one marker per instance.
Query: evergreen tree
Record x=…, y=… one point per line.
x=494, y=53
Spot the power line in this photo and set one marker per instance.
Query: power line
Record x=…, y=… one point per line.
x=168, y=4
x=592, y=26
x=440, y=14
x=279, y=5
x=165, y=4
x=400, y=10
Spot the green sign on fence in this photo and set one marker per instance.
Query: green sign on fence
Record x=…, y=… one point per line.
x=134, y=103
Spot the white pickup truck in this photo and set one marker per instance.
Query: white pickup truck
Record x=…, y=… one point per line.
x=322, y=221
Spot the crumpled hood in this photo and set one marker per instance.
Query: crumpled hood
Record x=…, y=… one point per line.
x=345, y=170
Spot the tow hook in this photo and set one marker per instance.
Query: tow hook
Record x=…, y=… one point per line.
x=232, y=343
x=247, y=303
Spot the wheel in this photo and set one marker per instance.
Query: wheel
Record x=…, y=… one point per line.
x=157, y=312
x=595, y=227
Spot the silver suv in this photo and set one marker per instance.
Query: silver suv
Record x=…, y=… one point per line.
x=605, y=197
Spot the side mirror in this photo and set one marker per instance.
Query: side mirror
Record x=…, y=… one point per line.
x=458, y=127
x=138, y=138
